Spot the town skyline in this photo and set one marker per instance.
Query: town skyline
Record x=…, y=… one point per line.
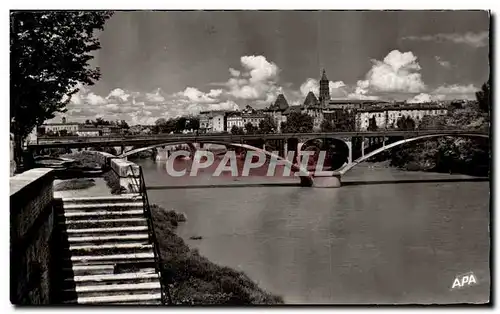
x=442, y=57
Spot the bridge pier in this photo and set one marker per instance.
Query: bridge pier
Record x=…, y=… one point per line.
x=327, y=180
x=363, y=146
x=349, y=146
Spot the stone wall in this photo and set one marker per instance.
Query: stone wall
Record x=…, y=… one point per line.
x=125, y=173
x=31, y=225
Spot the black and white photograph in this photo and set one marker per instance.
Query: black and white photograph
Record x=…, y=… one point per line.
x=250, y=157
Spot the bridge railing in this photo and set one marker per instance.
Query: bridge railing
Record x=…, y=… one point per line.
x=212, y=135
x=152, y=235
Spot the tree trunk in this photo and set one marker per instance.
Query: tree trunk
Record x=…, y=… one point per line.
x=18, y=151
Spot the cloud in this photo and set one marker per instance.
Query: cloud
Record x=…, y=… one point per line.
x=398, y=72
x=155, y=97
x=192, y=94
x=446, y=92
x=456, y=89
x=443, y=63
x=423, y=97
x=259, y=80
x=257, y=83
x=361, y=91
x=118, y=94
x=475, y=40
x=234, y=72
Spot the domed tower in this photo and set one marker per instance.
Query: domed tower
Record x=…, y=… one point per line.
x=324, y=89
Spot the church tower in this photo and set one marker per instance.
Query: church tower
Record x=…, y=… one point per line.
x=324, y=89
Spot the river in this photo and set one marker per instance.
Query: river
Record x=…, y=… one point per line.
x=386, y=237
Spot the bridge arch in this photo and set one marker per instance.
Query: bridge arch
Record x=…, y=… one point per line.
x=306, y=180
x=349, y=166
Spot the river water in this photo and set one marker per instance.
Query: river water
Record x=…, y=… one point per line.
x=386, y=236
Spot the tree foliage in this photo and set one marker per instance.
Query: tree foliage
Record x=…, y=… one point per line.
x=327, y=126
x=298, y=123
x=406, y=123
x=250, y=128
x=372, y=124
x=193, y=123
x=267, y=125
x=235, y=130
x=484, y=97
x=49, y=55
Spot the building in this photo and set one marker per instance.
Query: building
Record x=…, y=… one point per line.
x=388, y=116
x=234, y=119
x=110, y=130
x=277, y=110
x=219, y=121
x=206, y=122
x=64, y=128
x=253, y=118
x=324, y=90
x=89, y=131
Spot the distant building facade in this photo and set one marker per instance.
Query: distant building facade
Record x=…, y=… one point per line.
x=388, y=116
x=278, y=111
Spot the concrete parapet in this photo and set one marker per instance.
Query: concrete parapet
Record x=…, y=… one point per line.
x=103, y=158
x=127, y=174
x=31, y=225
x=125, y=168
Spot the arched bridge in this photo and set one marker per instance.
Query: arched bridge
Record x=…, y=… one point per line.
x=306, y=178
x=351, y=165
x=387, y=138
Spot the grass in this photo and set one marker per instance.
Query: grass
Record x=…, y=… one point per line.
x=83, y=160
x=112, y=183
x=195, y=280
x=74, y=184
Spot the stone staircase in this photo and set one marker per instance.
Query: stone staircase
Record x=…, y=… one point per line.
x=106, y=256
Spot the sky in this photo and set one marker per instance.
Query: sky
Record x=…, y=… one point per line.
x=158, y=64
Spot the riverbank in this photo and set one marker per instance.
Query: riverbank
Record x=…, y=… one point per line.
x=195, y=280
x=192, y=278
x=74, y=184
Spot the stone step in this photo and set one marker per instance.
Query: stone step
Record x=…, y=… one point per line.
x=109, y=278
x=94, y=240
x=104, y=223
x=100, y=269
x=101, y=206
x=125, y=288
x=141, y=303
x=74, y=215
x=87, y=270
x=112, y=258
x=114, y=230
x=111, y=248
x=123, y=198
x=107, y=299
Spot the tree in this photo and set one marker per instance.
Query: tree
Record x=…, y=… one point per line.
x=372, y=124
x=406, y=123
x=250, y=128
x=235, y=130
x=483, y=97
x=327, y=126
x=267, y=125
x=49, y=57
x=180, y=124
x=123, y=124
x=298, y=123
x=159, y=125
x=343, y=120
x=193, y=123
